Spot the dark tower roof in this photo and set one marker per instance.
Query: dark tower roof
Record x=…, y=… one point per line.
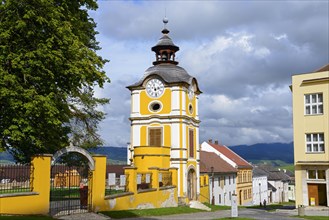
x=165, y=42
x=165, y=49
x=165, y=65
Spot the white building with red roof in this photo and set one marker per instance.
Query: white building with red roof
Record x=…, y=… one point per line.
x=244, y=170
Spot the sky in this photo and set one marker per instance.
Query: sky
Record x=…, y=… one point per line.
x=243, y=54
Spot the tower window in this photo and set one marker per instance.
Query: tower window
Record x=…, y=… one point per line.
x=191, y=143
x=190, y=109
x=155, y=106
x=155, y=137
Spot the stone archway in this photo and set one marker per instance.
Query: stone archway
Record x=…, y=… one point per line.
x=191, y=184
x=72, y=148
x=71, y=183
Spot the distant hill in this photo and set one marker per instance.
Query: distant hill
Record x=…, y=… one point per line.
x=6, y=157
x=116, y=155
x=278, y=153
x=263, y=152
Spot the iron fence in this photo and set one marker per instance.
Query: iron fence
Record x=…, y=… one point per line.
x=144, y=181
x=120, y=185
x=165, y=178
x=16, y=178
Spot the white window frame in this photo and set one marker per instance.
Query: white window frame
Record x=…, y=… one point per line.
x=316, y=174
x=313, y=107
x=314, y=144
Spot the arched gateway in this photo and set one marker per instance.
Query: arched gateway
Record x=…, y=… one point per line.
x=70, y=181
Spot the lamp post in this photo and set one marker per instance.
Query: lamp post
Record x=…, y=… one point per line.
x=260, y=196
x=212, y=186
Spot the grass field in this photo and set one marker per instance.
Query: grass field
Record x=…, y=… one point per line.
x=150, y=212
x=276, y=163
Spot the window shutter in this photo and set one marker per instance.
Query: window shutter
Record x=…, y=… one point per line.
x=191, y=142
x=155, y=137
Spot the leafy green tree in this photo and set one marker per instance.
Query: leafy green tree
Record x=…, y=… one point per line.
x=48, y=72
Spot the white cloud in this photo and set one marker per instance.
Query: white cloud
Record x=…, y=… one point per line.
x=243, y=60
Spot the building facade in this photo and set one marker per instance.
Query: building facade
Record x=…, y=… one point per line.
x=164, y=119
x=278, y=182
x=222, y=178
x=244, y=170
x=259, y=187
x=310, y=95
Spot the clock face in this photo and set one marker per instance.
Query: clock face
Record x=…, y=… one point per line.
x=154, y=88
x=190, y=92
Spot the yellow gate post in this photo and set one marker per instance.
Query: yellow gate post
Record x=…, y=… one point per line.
x=98, y=183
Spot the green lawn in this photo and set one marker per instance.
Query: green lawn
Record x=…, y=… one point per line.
x=18, y=190
x=150, y=212
x=160, y=211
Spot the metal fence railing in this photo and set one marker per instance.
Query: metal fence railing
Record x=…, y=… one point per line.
x=16, y=178
x=144, y=181
x=116, y=185
x=165, y=178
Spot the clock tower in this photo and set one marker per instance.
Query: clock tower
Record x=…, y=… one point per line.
x=165, y=121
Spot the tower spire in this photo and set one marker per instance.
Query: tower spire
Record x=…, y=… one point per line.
x=165, y=49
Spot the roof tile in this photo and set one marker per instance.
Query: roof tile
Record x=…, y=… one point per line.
x=209, y=159
x=231, y=155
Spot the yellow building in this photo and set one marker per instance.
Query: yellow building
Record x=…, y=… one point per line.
x=310, y=95
x=164, y=119
x=244, y=170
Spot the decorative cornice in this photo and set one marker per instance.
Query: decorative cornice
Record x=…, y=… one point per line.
x=151, y=155
x=178, y=159
x=316, y=80
x=164, y=117
x=177, y=148
x=151, y=146
x=312, y=163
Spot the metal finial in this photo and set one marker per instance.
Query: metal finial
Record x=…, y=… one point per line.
x=165, y=21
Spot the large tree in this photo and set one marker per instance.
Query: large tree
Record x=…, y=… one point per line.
x=48, y=72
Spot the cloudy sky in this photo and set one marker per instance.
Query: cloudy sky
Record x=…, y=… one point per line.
x=243, y=54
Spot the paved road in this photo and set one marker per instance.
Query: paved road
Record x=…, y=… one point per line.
x=249, y=213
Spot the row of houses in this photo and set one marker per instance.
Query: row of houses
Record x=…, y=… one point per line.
x=229, y=174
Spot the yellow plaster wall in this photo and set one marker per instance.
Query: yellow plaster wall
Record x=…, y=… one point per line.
x=144, y=134
x=188, y=140
x=204, y=188
x=144, y=200
x=98, y=183
x=151, y=198
x=149, y=156
x=245, y=185
x=165, y=99
x=32, y=204
x=167, y=135
x=303, y=124
x=298, y=186
x=309, y=123
x=188, y=102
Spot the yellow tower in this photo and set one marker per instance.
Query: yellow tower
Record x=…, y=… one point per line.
x=164, y=119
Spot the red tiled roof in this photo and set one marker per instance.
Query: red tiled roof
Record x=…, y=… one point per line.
x=231, y=155
x=208, y=160
x=324, y=68
x=117, y=169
